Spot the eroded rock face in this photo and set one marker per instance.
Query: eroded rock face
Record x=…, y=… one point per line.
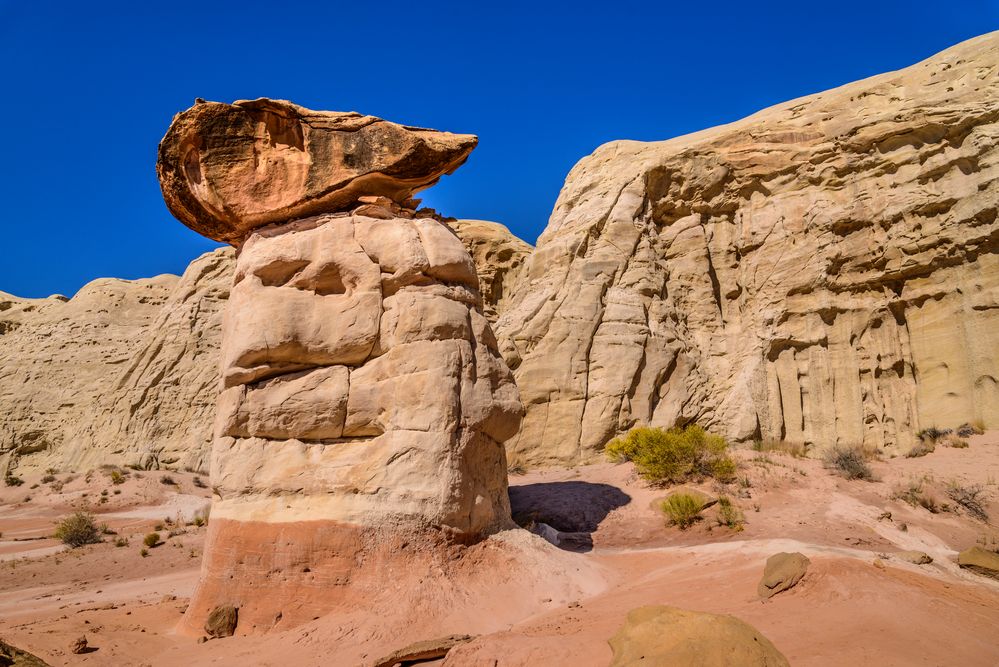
x=125, y=372
x=226, y=169
x=824, y=272
x=361, y=381
x=363, y=399
x=499, y=258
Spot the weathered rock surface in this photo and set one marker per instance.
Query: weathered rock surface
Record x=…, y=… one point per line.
x=980, y=561
x=661, y=636
x=363, y=400
x=499, y=258
x=222, y=622
x=824, y=271
x=11, y=656
x=226, y=169
x=782, y=571
x=125, y=372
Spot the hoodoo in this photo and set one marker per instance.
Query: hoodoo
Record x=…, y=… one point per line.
x=364, y=403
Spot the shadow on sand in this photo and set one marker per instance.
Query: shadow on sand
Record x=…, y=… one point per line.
x=575, y=509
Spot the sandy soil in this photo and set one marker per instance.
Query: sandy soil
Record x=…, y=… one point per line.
x=847, y=609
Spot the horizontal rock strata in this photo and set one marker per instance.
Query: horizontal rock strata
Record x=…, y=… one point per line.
x=823, y=272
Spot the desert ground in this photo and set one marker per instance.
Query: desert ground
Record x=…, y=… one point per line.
x=859, y=603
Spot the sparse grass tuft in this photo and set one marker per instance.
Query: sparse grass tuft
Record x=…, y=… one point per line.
x=168, y=480
x=121, y=542
x=682, y=509
x=78, y=529
x=199, y=483
x=48, y=479
x=916, y=495
x=674, y=456
x=796, y=449
x=117, y=476
x=968, y=430
x=849, y=462
x=10, y=479
x=921, y=448
x=729, y=515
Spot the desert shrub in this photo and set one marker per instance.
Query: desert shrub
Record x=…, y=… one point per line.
x=121, y=542
x=57, y=486
x=168, y=480
x=673, y=456
x=933, y=433
x=849, y=462
x=117, y=476
x=957, y=443
x=971, y=498
x=795, y=449
x=198, y=521
x=117, y=492
x=914, y=494
x=729, y=515
x=921, y=448
x=143, y=552
x=151, y=540
x=682, y=509
x=968, y=430
x=10, y=479
x=48, y=479
x=78, y=529
x=199, y=483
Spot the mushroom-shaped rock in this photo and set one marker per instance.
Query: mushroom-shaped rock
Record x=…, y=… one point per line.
x=226, y=169
x=782, y=571
x=661, y=635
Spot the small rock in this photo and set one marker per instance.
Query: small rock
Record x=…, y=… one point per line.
x=782, y=571
x=202, y=640
x=222, y=622
x=430, y=649
x=878, y=563
x=980, y=561
x=79, y=646
x=914, y=557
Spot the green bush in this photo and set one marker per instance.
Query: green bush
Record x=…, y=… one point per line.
x=674, y=456
x=78, y=529
x=117, y=476
x=682, y=509
x=11, y=479
x=151, y=540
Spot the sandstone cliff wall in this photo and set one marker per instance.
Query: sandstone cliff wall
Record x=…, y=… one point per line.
x=126, y=372
x=824, y=271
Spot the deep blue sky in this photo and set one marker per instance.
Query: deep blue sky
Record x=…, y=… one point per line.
x=89, y=88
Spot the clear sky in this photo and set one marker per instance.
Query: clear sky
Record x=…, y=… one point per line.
x=89, y=88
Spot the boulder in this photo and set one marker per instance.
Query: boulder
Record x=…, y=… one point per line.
x=782, y=571
x=79, y=646
x=222, y=622
x=661, y=636
x=226, y=169
x=825, y=272
x=980, y=561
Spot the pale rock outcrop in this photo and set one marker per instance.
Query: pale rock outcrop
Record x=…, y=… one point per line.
x=124, y=372
x=661, y=635
x=499, y=258
x=823, y=272
x=363, y=400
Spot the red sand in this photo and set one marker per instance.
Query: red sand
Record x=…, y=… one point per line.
x=533, y=604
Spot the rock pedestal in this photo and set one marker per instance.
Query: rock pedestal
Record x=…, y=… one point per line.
x=364, y=403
